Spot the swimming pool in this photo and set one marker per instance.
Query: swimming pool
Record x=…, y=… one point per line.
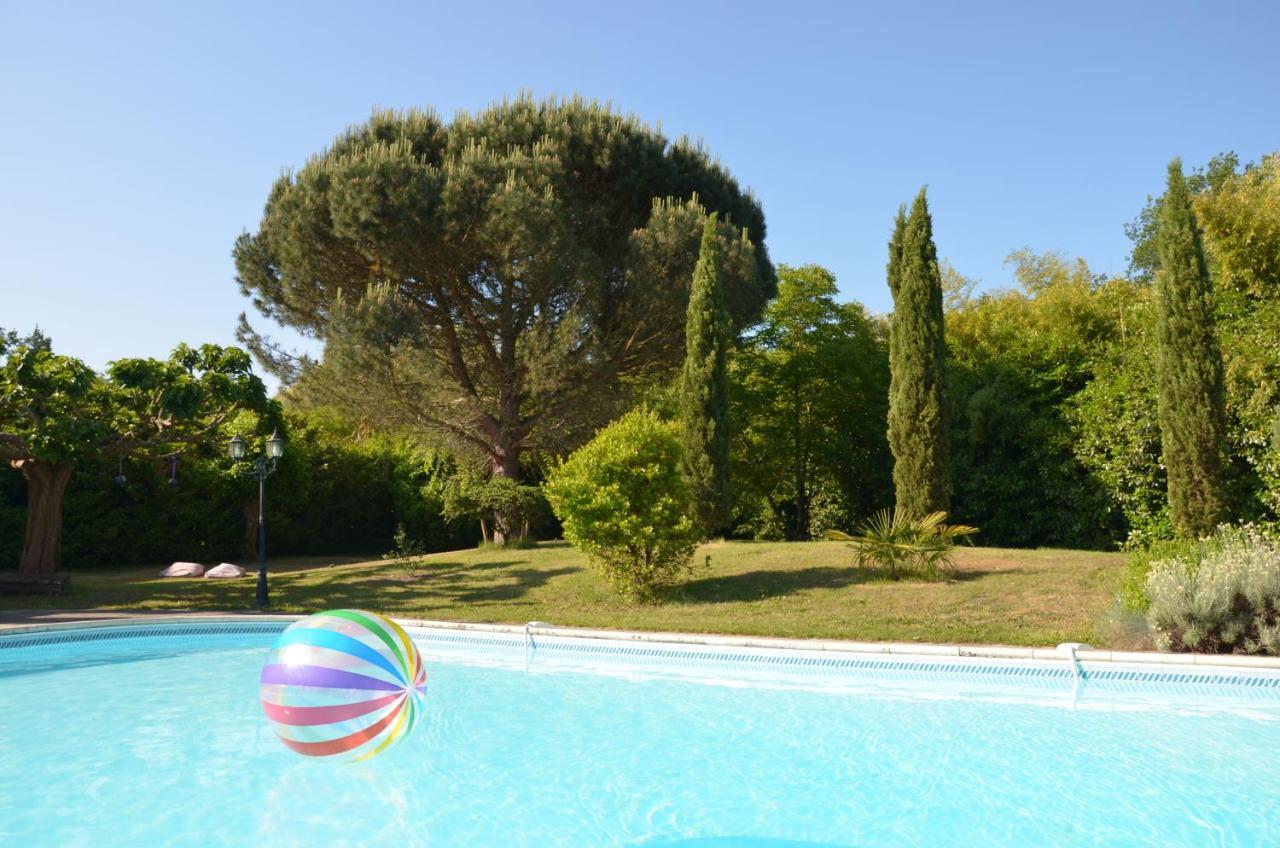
x=152, y=735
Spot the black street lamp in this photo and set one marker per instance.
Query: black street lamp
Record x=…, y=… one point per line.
x=263, y=467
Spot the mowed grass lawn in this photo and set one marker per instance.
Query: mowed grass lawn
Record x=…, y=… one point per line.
x=813, y=589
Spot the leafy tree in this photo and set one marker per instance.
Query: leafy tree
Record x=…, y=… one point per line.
x=1241, y=219
x=498, y=280
x=917, y=416
x=1115, y=423
x=10, y=339
x=57, y=413
x=1144, y=230
x=624, y=502
x=1233, y=207
x=957, y=289
x=1249, y=332
x=704, y=390
x=1240, y=212
x=1189, y=368
x=810, y=399
x=1015, y=359
x=1116, y=428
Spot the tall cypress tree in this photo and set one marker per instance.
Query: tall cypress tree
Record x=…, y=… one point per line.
x=917, y=417
x=1190, y=368
x=704, y=389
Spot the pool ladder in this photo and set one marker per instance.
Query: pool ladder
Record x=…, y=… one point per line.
x=1077, y=670
x=1070, y=648
x=529, y=646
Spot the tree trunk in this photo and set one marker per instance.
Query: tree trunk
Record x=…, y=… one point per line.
x=507, y=433
x=799, y=530
x=46, y=484
x=507, y=525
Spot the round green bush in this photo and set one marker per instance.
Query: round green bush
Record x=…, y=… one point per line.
x=623, y=502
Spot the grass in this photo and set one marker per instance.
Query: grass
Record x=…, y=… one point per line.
x=996, y=596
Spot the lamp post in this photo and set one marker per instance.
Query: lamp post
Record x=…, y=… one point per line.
x=263, y=467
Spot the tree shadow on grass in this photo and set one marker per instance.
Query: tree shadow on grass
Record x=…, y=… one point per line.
x=440, y=583
x=522, y=581
x=402, y=586
x=759, y=585
x=970, y=574
x=428, y=573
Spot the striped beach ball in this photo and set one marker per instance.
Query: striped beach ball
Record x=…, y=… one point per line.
x=343, y=684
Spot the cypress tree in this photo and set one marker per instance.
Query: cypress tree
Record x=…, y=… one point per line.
x=917, y=417
x=704, y=389
x=1190, y=368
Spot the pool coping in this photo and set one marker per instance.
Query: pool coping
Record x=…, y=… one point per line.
x=897, y=649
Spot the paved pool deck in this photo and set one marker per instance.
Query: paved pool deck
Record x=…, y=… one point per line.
x=15, y=621
x=26, y=618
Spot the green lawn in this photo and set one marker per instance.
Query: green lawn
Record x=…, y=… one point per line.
x=1004, y=596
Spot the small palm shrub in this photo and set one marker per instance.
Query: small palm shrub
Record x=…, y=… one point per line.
x=1225, y=599
x=904, y=546
x=623, y=502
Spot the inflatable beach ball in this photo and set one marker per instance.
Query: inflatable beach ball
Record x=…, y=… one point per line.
x=344, y=684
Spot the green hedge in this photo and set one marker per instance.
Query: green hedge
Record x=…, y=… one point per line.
x=334, y=493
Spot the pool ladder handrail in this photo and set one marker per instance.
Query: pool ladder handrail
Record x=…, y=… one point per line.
x=1070, y=648
x=529, y=645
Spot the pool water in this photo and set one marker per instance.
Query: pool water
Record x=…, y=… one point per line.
x=137, y=742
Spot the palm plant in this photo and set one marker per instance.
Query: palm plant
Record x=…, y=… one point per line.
x=902, y=545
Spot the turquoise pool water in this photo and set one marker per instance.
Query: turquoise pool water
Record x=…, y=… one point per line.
x=159, y=740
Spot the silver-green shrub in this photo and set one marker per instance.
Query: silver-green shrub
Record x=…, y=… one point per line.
x=1224, y=599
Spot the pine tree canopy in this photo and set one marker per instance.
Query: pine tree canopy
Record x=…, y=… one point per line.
x=492, y=280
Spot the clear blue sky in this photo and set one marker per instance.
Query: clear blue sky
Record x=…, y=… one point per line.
x=139, y=140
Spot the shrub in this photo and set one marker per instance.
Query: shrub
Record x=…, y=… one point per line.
x=1224, y=600
x=623, y=502
x=904, y=546
x=468, y=497
x=1133, y=584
